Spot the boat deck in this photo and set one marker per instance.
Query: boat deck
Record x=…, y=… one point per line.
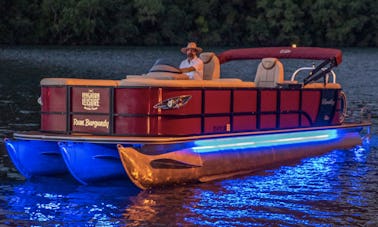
x=82, y=137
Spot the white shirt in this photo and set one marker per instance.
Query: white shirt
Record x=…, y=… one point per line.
x=197, y=63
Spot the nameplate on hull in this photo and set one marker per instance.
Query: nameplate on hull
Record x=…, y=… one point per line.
x=90, y=123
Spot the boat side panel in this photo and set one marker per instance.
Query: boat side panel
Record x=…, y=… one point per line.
x=131, y=108
x=134, y=101
x=268, y=100
x=133, y=116
x=170, y=125
x=245, y=101
x=192, y=107
x=217, y=101
x=268, y=108
x=53, y=122
x=339, y=111
x=244, y=123
x=289, y=120
x=327, y=107
x=217, y=124
x=171, y=111
x=124, y=125
x=310, y=105
x=289, y=100
x=54, y=108
x=50, y=95
x=268, y=121
x=289, y=108
x=244, y=110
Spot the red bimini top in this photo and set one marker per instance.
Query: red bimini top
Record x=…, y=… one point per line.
x=315, y=53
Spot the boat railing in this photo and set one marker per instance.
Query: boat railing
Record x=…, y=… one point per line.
x=296, y=73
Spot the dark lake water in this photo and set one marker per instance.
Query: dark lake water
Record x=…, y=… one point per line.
x=339, y=188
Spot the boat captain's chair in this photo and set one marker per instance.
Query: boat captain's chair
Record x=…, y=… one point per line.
x=211, y=66
x=269, y=72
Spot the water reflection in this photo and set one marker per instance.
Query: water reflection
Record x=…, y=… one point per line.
x=51, y=201
x=163, y=207
x=321, y=188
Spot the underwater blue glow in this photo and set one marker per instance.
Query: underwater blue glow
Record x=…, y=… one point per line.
x=256, y=141
x=53, y=201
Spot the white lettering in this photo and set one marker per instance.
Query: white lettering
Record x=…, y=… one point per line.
x=91, y=123
x=77, y=122
x=90, y=100
x=285, y=51
x=328, y=102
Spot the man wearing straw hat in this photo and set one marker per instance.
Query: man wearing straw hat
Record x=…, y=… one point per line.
x=193, y=65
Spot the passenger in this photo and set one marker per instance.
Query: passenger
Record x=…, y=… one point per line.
x=193, y=65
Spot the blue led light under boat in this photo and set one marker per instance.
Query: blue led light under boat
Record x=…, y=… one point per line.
x=268, y=140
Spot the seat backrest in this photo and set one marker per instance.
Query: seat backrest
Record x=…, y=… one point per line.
x=211, y=66
x=269, y=72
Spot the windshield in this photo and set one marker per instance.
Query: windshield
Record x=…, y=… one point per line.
x=163, y=65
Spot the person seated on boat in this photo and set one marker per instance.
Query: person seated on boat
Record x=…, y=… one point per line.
x=192, y=65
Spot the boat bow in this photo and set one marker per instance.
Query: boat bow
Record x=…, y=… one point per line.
x=154, y=170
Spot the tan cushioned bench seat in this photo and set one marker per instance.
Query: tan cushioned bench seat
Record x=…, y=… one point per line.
x=160, y=76
x=321, y=85
x=146, y=82
x=78, y=82
x=226, y=83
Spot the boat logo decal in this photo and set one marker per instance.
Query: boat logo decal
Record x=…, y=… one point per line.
x=90, y=100
x=328, y=102
x=173, y=103
x=285, y=51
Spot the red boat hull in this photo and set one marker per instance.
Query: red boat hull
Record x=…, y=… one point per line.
x=131, y=110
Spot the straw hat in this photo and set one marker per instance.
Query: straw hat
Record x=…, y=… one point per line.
x=191, y=45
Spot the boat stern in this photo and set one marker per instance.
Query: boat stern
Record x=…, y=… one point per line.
x=35, y=158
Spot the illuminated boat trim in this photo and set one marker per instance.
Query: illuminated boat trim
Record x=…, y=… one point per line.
x=280, y=139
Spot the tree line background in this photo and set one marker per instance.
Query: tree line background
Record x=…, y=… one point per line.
x=174, y=22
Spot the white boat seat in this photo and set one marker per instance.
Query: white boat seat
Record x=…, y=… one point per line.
x=269, y=72
x=211, y=66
